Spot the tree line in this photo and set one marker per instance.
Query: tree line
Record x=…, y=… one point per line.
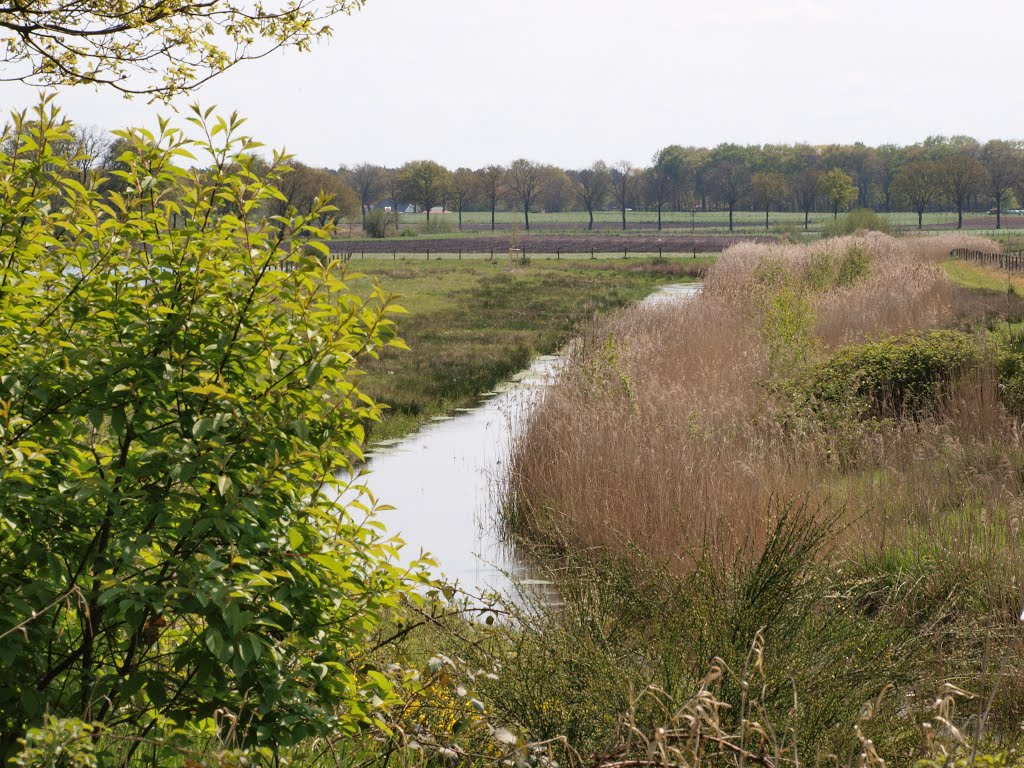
x=948, y=173
x=941, y=172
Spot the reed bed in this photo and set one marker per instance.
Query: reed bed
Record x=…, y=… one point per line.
x=681, y=439
x=667, y=435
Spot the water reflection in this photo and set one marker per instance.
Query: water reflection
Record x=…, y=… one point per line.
x=445, y=482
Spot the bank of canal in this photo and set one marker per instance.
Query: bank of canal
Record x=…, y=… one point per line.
x=446, y=481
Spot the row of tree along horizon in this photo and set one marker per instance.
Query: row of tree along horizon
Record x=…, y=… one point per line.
x=948, y=173
x=959, y=172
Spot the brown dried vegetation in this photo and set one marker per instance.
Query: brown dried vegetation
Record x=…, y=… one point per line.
x=665, y=435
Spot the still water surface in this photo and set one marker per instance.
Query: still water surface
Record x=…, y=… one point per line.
x=446, y=481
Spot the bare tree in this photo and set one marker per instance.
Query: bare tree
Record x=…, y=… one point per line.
x=1002, y=160
x=805, y=191
x=769, y=188
x=462, y=188
x=625, y=183
x=303, y=185
x=91, y=144
x=526, y=179
x=392, y=183
x=918, y=184
x=962, y=176
x=591, y=187
x=493, y=187
x=368, y=181
x=728, y=176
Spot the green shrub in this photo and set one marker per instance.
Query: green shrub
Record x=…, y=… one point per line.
x=1010, y=369
x=829, y=270
x=897, y=375
x=855, y=221
x=789, y=231
x=174, y=409
x=438, y=226
x=377, y=223
x=787, y=326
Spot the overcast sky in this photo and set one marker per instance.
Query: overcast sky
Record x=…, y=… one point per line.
x=472, y=82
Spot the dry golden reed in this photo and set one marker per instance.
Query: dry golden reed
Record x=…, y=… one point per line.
x=664, y=435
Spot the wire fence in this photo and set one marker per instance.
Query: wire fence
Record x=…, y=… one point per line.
x=522, y=253
x=1012, y=261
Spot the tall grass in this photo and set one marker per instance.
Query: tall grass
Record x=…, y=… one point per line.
x=675, y=437
x=665, y=433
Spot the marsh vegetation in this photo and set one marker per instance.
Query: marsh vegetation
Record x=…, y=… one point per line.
x=809, y=479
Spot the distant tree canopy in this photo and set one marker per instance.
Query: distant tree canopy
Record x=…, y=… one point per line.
x=772, y=177
x=152, y=47
x=425, y=184
x=838, y=188
x=963, y=175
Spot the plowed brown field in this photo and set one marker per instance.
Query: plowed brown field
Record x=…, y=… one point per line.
x=546, y=244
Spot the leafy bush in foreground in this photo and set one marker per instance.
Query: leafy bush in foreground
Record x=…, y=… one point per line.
x=174, y=408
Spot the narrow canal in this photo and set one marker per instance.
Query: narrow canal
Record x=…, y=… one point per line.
x=446, y=482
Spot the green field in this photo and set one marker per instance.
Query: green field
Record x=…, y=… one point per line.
x=746, y=222
x=611, y=220
x=471, y=324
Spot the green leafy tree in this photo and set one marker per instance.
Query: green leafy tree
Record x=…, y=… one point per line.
x=176, y=405
x=152, y=47
x=556, y=193
x=838, y=188
x=669, y=178
x=425, y=183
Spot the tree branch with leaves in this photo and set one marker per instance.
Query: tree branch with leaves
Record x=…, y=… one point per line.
x=157, y=48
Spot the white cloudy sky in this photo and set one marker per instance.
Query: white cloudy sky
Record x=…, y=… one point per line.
x=471, y=82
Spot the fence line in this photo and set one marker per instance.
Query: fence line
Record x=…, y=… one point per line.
x=502, y=253
x=1011, y=262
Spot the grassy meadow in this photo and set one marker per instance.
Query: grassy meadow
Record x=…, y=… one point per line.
x=749, y=222
x=470, y=324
